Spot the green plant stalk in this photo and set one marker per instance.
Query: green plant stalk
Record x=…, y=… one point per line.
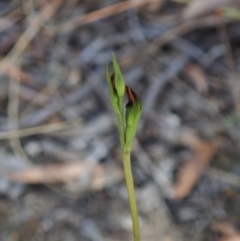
x=128, y=118
x=126, y=156
x=131, y=193
x=121, y=131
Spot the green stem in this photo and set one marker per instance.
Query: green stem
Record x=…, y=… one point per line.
x=121, y=130
x=131, y=194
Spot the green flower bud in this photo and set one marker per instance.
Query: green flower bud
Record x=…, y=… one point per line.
x=119, y=80
x=133, y=112
x=112, y=91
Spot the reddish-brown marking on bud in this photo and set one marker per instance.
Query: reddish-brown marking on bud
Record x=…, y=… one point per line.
x=132, y=96
x=113, y=82
x=113, y=79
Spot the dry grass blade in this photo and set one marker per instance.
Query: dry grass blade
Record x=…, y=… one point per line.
x=200, y=7
x=39, y=129
x=46, y=13
x=100, y=14
x=170, y=35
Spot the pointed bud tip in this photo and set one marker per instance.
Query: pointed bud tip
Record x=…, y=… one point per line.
x=132, y=96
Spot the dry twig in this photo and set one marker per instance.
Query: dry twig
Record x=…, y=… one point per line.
x=99, y=14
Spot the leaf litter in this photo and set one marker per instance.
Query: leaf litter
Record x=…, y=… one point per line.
x=60, y=168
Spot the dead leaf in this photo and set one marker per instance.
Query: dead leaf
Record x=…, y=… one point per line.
x=232, y=238
x=48, y=174
x=199, y=79
x=201, y=7
x=191, y=171
x=227, y=230
x=60, y=173
x=224, y=228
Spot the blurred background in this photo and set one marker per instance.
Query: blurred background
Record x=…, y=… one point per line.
x=61, y=175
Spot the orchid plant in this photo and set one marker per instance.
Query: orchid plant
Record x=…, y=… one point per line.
x=128, y=118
